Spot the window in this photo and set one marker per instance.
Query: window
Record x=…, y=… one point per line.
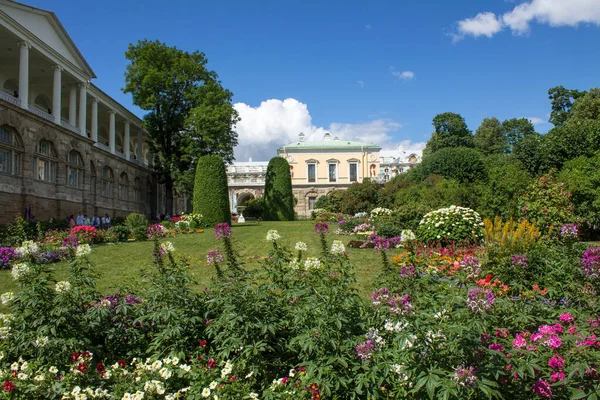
x=74, y=170
x=332, y=172
x=45, y=162
x=312, y=172
x=107, y=181
x=311, y=203
x=10, y=155
x=123, y=186
x=137, y=192
x=353, y=172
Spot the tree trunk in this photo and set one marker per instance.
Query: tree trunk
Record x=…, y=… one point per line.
x=169, y=196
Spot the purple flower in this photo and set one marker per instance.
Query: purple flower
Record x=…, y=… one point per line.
x=519, y=261
x=381, y=243
x=7, y=255
x=380, y=296
x=465, y=376
x=556, y=362
x=542, y=388
x=496, y=347
x=566, y=317
x=569, y=231
x=590, y=262
x=400, y=304
x=321, y=228
x=222, y=231
x=214, y=257
x=408, y=271
x=341, y=222
x=365, y=349
x=480, y=299
x=155, y=230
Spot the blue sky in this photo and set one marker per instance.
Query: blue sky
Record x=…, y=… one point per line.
x=341, y=62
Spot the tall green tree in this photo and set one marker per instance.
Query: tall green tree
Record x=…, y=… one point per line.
x=279, y=198
x=489, y=138
x=189, y=113
x=450, y=131
x=211, y=195
x=562, y=100
x=515, y=130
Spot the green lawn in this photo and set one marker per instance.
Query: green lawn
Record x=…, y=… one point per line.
x=121, y=264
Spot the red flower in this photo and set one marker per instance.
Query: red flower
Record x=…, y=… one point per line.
x=122, y=363
x=100, y=368
x=203, y=343
x=211, y=363
x=74, y=357
x=82, y=367
x=8, y=386
x=488, y=278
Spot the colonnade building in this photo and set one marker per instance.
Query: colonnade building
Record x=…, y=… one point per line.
x=65, y=145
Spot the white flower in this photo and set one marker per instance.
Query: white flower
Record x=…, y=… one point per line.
x=249, y=375
x=166, y=247
x=39, y=378
x=407, y=235
x=22, y=376
x=127, y=396
x=253, y=395
x=226, y=369
x=273, y=236
x=185, y=367
x=213, y=385
x=7, y=297
x=27, y=247
x=292, y=373
x=41, y=341
x=337, y=247
x=301, y=246
x=205, y=392
x=294, y=264
x=139, y=395
x=175, y=361
x=156, y=365
x=19, y=270
x=165, y=373
x=62, y=287
x=83, y=250
x=312, y=263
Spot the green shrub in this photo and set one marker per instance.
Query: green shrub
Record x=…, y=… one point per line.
x=347, y=226
x=451, y=225
x=193, y=225
x=121, y=232
x=254, y=208
x=138, y=225
x=460, y=163
x=409, y=215
x=166, y=224
x=211, y=195
x=388, y=229
x=278, y=198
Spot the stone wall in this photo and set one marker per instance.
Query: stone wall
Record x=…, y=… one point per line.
x=303, y=193
x=57, y=200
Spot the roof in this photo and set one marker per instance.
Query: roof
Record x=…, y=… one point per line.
x=249, y=164
x=330, y=145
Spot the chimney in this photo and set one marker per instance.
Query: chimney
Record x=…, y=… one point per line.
x=301, y=137
x=327, y=137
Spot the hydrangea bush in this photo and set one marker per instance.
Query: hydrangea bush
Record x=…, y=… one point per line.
x=451, y=225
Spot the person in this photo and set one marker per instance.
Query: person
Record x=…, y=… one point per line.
x=79, y=219
x=96, y=221
x=86, y=220
x=72, y=222
x=105, y=221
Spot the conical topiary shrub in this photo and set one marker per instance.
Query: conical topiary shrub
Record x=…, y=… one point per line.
x=211, y=197
x=278, y=198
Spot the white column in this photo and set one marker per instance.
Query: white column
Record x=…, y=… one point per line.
x=94, y=121
x=24, y=74
x=73, y=105
x=111, y=132
x=139, y=147
x=82, y=108
x=126, y=148
x=56, y=93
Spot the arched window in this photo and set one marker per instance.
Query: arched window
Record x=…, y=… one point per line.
x=43, y=103
x=10, y=151
x=107, y=181
x=137, y=190
x=11, y=86
x=74, y=170
x=45, y=162
x=123, y=186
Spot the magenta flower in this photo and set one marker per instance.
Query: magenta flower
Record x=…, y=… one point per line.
x=214, y=257
x=519, y=341
x=321, y=228
x=480, y=299
x=566, y=317
x=554, y=342
x=519, y=261
x=365, y=350
x=408, y=271
x=380, y=296
x=496, y=347
x=542, y=388
x=590, y=262
x=400, y=304
x=222, y=231
x=556, y=362
x=465, y=376
x=557, y=376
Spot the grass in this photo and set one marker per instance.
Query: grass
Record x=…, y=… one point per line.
x=121, y=264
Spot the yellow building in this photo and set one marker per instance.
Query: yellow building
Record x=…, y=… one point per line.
x=318, y=168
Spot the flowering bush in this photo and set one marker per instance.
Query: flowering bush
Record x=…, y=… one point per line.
x=380, y=212
x=7, y=256
x=451, y=225
x=86, y=234
x=590, y=262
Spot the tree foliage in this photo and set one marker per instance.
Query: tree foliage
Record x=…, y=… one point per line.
x=489, y=138
x=450, y=131
x=189, y=112
x=562, y=100
x=515, y=130
x=460, y=163
x=211, y=194
x=278, y=198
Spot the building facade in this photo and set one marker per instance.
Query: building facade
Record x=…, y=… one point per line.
x=65, y=145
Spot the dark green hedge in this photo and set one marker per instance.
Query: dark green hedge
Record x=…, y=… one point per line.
x=460, y=163
x=278, y=198
x=211, y=196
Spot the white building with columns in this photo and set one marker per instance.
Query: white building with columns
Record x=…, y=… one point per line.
x=65, y=145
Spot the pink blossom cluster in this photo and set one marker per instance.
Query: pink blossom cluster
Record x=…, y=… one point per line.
x=480, y=299
x=365, y=349
x=321, y=228
x=465, y=376
x=222, y=231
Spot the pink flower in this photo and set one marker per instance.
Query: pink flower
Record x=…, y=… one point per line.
x=557, y=376
x=542, y=388
x=572, y=329
x=496, y=346
x=536, y=336
x=566, y=317
x=222, y=230
x=321, y=228
x=556, y=362
x=558, y=328
x=519, y=341
x=554, y=342
x=546, y=330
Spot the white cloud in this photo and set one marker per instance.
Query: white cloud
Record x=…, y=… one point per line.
x=537, y=120
x=551, y=12
x=275, y=123
x=406, y=75
x=483, y=24
x=361, y=83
